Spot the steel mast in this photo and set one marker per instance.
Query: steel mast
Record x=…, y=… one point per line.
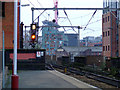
x=56, y=11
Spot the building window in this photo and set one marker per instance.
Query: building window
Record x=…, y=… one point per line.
x=106, y=48
x=103, y=34
x=3, y=9
x=108, y=33
x=103, y=48
x=103, y=20
x=117, y=42
x=108, y=18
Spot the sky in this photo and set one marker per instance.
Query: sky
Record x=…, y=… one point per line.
x=77, y=17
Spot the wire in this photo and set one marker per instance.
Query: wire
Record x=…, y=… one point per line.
x=82, y=16
x=34, y=6
x=40, y=14
x=90, y=19
x=69, y=20
x=94, y=22
x=42, y=7
x=31, y=3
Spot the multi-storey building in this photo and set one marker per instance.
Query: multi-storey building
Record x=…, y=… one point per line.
x=72, y=39
x=110, y=35
x=91, y=41
x=52, y=38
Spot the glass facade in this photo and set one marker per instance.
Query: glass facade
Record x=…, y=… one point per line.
x=110, y=4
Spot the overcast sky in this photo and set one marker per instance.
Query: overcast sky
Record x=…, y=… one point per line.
x=77, y=18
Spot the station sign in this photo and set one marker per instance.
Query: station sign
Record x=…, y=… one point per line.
x=39, y=54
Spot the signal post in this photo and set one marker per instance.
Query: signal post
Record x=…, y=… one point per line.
x=33, y=34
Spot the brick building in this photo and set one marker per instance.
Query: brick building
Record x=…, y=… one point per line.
x=7, y=22
x=110, y=30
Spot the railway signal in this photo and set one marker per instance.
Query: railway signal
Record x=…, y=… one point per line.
x=33, y=34
x=33, y=26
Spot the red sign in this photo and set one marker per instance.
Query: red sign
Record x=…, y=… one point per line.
x=24, y=56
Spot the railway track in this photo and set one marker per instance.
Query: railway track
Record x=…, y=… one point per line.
x=94, y=76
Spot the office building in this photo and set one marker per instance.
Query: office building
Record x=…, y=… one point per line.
x=52, y=38
x=72, y=39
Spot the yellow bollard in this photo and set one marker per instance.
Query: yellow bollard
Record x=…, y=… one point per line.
x=65, y=70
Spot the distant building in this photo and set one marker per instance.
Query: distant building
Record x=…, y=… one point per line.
x=61, y=52
x=84, y=51
x=91, y=41
x=98, y=39
x=52, y=38
x=72, y=39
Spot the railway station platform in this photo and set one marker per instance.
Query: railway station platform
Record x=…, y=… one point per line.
x=49, y=79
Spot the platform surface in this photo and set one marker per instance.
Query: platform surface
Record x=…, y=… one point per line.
x=49, y=79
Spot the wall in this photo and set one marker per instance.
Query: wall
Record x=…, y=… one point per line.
x=8, y=25
x=95, y=60
x=119, y=39
x=0, y=61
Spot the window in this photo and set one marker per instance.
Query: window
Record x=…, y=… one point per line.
x=103, y=48
x=108, y=18
x=103, y=20
x=108, y=33
x=106, y=48
x=103, y=34
x=117, y=42
x=2, y=11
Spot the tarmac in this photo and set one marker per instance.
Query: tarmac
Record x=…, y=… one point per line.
x=49, y=79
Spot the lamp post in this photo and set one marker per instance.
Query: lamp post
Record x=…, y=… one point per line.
x=15, y=77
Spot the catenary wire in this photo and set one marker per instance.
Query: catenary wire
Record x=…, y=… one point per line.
x=34, y=6
x=42, y=7
x=90, y=19
x=69, y=20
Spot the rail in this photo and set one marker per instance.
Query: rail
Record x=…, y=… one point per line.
x=104, y=79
